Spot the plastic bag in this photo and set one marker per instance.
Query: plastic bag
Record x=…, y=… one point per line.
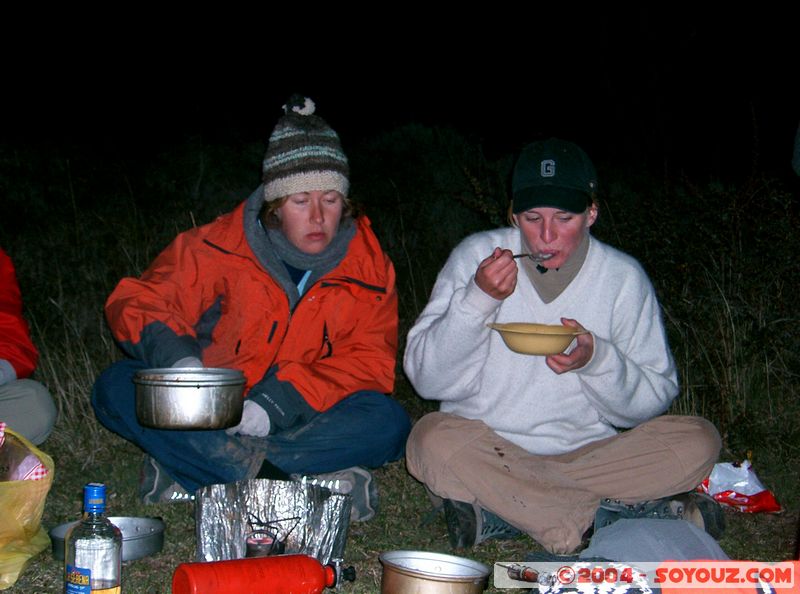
x=21, y=504
x=737, y=486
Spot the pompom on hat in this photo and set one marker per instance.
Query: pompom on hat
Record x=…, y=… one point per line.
x=304, y=154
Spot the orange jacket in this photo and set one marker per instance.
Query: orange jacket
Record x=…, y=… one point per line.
x=207, y=295
x=15, y=340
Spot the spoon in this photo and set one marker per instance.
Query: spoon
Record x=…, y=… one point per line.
x=534, y=257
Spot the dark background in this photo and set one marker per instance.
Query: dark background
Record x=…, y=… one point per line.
x=702, y=92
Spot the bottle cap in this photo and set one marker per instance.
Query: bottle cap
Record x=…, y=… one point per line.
x=94, y=498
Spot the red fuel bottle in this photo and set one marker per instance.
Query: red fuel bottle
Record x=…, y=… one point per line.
x=278, y=574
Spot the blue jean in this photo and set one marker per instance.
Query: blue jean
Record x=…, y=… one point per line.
x=365, y=429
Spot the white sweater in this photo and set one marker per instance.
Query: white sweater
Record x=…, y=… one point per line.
x=452, y=356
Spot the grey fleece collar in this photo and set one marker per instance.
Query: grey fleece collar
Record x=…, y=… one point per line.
x=272, y=248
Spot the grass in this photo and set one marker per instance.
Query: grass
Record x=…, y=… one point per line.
x=721, y=258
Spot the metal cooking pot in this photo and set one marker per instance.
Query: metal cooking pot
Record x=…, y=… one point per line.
x=189, y=398
x=420, y=572
x=141, y=537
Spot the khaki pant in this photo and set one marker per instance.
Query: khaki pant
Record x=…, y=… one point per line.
x=554, y=498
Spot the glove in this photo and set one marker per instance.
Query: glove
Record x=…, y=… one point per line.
x=188, y=362
x=255, y=421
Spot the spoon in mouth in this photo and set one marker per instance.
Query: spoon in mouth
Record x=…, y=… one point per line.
x=534, y=257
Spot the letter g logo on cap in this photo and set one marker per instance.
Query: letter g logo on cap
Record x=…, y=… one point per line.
x=548, y=168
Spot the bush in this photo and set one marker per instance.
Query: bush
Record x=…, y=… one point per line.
x=425, y=189
x=721, y=259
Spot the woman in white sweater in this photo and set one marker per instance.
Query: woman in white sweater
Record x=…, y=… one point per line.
x=535, y=440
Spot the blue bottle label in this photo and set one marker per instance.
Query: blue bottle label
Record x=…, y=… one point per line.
x=78, y=580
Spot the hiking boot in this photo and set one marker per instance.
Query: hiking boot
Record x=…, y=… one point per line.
x=156, y=486
x=697, y=508
x=712, y=514
x=356, y=482
x=469, y=525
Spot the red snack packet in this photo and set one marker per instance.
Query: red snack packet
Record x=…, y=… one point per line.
x=737, y=486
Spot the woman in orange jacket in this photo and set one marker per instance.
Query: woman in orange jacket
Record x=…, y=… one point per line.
x=25, y=405
x=296, y=292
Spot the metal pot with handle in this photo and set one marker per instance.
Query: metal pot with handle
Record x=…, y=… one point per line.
x=189, y=398
x=421, y=572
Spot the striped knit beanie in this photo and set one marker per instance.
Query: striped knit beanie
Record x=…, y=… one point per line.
x=304, y=154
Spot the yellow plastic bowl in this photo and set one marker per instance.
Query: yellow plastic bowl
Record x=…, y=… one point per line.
x=536, y=339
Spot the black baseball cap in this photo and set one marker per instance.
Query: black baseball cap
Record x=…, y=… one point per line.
x=553, y=173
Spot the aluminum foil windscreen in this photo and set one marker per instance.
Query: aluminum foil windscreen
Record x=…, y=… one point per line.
x=308, y=518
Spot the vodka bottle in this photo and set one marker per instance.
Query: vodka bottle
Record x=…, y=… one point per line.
x=93, y=555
